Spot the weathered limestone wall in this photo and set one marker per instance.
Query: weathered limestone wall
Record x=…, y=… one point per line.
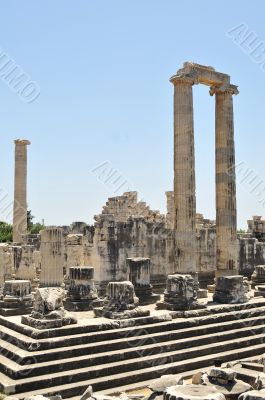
x=206, y=254
x=250, y=246
x=256, y=227
x=135, y=238
x=127, y=205
x=79, y=249
x=52, y=250
x=6, y=263
x=205, y=242
x=20, y=262
x=24, y=262
x=74, y=251
x=114, y=241
x=251, y=252
x=126, y=234
x=32, y=239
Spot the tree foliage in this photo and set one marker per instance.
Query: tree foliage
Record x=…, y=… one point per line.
x=30, y=219
x=6, y=232
x=33, y=228
x=36, y=228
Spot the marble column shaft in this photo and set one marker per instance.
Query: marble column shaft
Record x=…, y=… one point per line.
x=184, y=176
x=226, y=212
x=20, y=191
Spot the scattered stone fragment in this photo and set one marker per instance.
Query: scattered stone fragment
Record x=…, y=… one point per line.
x=224, y=380
x=159, y=385
x=252, y=377
x=260, y=381
x=87, y=393
x=197, y=379
x=258, y=276
x=253, y=395
x=48, y=311
x=38, y=397
x=222, y=375
x=192, y=392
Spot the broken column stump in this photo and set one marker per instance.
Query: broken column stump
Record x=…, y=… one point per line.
x=82, y=294
x=231, y=290
x=139, y=274
x=192, y=392
x=48, y=311
x=258, y=276
x=180, y=294
x=16, y=298
x=120, y=302
x=259, y=291
x=253, y=395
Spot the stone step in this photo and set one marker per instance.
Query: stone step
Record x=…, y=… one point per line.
x=111, y=345
x=246, y=374
x=139, y=385
x=30, y=386
x=131, y=387
x=75, y=375
x=16, y=352
x=186, y=375
x=153, y=321
x=37, y=369
x=30, y=344
x=16, y=365
x=254, y=366
x=70, y=358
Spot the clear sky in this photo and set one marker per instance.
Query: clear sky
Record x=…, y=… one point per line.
x=106, y=103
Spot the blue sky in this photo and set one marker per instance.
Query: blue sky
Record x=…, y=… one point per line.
x=103, y=69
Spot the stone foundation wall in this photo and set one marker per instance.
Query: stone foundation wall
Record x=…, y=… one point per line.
x=256, y=227
x=251, y=252
x=114, y=242
x=125, y=229
x=6, y=263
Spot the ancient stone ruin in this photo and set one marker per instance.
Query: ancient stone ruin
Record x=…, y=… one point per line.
x=16, y=298
x=122, y=305
x=120, y=302
x=180, y=293
x=139, y=274
x=82, y=294
x=20, y=194
x=48, y=311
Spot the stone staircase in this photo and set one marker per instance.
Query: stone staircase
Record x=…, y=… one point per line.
x=67, y=360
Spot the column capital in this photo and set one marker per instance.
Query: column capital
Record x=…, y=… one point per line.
x=178, y=78
x=22, y=142
x=231, y=89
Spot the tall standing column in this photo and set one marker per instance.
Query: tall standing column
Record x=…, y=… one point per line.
x=20, y=190
x=226, y=212
x=184, y=175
